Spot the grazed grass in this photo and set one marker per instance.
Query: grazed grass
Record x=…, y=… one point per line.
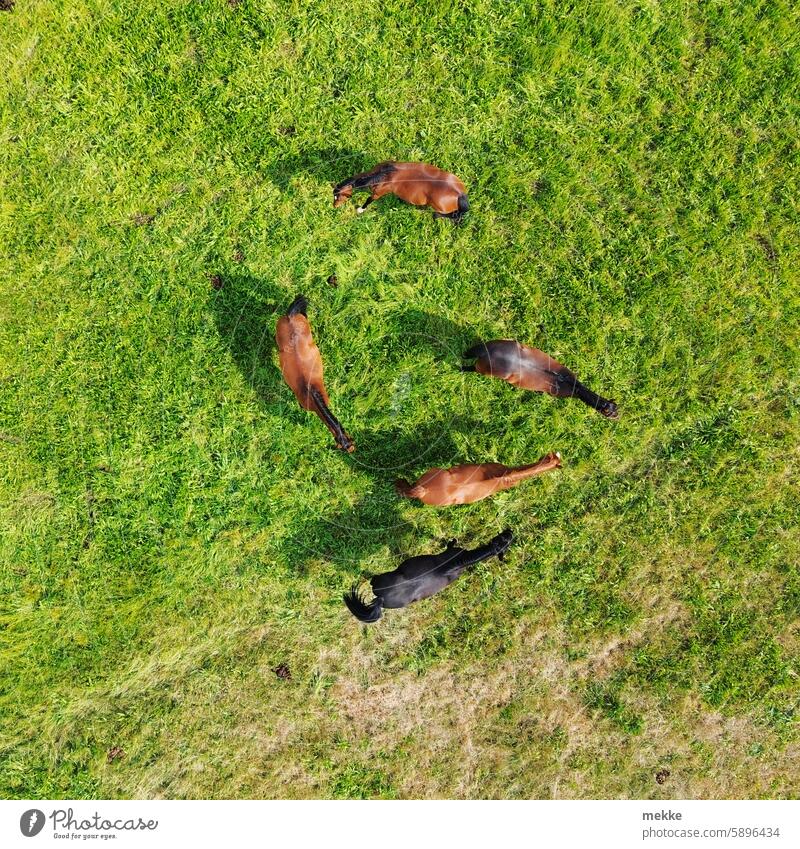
x=175, y=528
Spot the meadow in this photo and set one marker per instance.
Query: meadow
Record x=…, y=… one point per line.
x=176, y=533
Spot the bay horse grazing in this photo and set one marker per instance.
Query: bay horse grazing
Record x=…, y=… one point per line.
x=530, y=368
x=301, y=366
x=468, y=483
x=421, y=577
x=413, y=182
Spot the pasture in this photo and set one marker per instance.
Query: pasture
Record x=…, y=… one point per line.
x=176, y=533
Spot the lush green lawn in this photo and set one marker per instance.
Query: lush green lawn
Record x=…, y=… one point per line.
x=173, y=526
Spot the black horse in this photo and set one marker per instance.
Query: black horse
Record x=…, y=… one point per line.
x=420, y=577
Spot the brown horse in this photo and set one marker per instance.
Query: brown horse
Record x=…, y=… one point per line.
x=468, y=483
x=301, y=365
x=413, y=182
x=530, y=368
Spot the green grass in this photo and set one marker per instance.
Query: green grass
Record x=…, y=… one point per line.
x=173, y=526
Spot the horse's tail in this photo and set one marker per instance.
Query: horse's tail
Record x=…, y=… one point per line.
x=298, y=305
x=363, y=611
x=476, y=351
x=407, y=490
x=463, y=206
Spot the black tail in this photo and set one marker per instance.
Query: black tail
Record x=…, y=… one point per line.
x=494, y=548
x=342, y=439
x=463, y=207
x=298, y=305
x=476, y=352
x=366, y=612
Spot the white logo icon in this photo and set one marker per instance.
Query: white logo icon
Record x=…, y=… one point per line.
x=31, y=822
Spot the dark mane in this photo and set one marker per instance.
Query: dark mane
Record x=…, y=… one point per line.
x=368, y=178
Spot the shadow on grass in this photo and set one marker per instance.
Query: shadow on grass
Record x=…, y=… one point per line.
x=446, y=339
x=398, y=451
x=350, y=536
x=245, y=311
x=329, y=165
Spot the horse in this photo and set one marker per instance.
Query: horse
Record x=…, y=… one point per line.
x=301, y=366
x=421, y=577
x=530, y=368
x=466, y=484
x=413, y=182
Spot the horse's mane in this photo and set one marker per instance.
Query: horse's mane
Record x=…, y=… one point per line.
x=368, y=178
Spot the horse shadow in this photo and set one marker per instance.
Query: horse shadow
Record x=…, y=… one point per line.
x=350, y=536
x=400, y=451
x=346, y=537
x=445, y=339
x=245, y=311
x=329, y=165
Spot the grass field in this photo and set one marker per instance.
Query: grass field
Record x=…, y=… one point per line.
x=174, y=528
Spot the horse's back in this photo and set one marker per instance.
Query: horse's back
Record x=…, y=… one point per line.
x=541, y=373
x=415, y=578
x=300, y=359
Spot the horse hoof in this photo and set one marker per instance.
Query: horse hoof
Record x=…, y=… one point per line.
x=360, y=209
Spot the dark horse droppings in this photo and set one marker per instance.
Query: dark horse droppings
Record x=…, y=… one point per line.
x=766, y=246
x=332, y=280
x=115, y=753
x=216, y=281
x=662, y=775
x=282, y=671
x=6, y=5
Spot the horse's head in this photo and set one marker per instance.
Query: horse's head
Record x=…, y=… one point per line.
x=342, y=193
x=345, y=443
x=608, y=409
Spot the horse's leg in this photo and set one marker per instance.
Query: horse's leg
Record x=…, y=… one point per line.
x=366, y=203
x=376, y=192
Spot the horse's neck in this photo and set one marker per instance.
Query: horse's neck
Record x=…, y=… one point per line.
x=369, y=178
x=468, y=558
x=325, y=414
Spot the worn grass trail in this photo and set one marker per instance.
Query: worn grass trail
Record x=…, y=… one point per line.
x=173, y=527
